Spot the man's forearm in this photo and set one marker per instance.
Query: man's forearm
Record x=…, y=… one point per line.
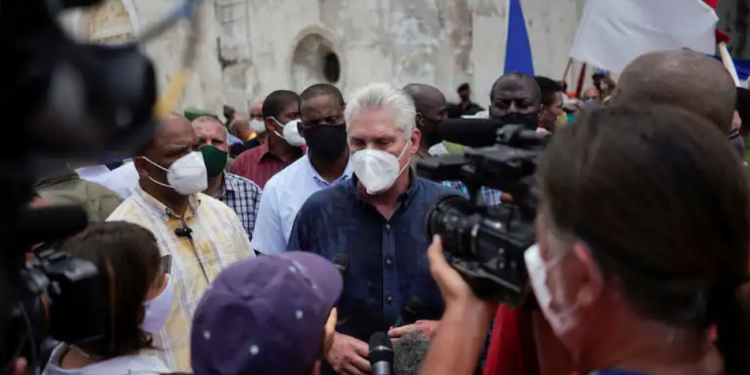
x=459, y=341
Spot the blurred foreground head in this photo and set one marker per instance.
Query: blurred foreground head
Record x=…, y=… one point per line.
x=643, y=242
x=265, y=315
x=683, y=78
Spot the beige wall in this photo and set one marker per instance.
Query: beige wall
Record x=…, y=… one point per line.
x=249, y=48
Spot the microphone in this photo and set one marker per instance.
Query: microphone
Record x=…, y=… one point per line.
x=471, y=132
x=381, y=354
x=51, y=223
x=410, y=312
x=342, y=262
x=479, y=132
x=183, y=232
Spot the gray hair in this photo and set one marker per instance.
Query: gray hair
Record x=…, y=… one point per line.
x=211, y=119
x=383, y=95
x=409, y=352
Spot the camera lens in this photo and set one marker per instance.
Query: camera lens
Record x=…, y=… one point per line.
x=455, y=219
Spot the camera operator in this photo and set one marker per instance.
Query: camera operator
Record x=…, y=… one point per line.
x=139, y=292
x=632, y=272
x=376, y=219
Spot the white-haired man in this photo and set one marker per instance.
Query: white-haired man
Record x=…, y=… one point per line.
x=376, y=220
x=240, y=194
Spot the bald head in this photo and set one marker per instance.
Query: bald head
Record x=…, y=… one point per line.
x=591, y=93
x=425, y=96
x=683, y=78
x=174, y=127
x=431, y=110
x=256, y=111
x=173, y=139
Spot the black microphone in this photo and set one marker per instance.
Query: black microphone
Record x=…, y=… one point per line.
x=342, y=262
x=381, y=354
x=183, y=232
x=410, y=312
x=471, y=132
x=479, y=132
x=51, y=223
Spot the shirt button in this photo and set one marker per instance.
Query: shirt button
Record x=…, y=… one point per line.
x=388, y=261
x=389, y=299
x=388, y=227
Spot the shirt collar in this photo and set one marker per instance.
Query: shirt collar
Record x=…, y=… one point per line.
x=231, y=184
x=147, y=201
x=348, y=172
x=265, y=151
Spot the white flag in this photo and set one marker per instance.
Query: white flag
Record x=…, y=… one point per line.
x=614, y=32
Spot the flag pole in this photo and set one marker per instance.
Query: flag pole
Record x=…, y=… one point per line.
x=581, y=78
x=567, y=70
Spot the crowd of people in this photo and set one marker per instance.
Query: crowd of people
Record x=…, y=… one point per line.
x=279, y=241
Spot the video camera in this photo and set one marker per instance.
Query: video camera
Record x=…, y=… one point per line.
x=487, y=244
x=64, y=99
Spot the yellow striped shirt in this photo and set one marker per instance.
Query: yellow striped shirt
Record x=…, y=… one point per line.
x=219, y=241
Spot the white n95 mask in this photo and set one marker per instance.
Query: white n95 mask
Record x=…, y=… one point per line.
x=157, y=309
x=291, y=133
x=258, y=126
x=377, y=170
x=561, y=321
x=187, y=175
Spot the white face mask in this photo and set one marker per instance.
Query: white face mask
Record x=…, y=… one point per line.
x=187, y=175
x=377, y=170
x=258, y=126
x=157, y=309
x=561, y=321
x=291, y=133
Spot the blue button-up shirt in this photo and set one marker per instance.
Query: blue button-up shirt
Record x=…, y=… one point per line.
x=388, y=258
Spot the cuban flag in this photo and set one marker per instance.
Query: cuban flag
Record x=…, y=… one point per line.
x=614, y=32
x=518, y=49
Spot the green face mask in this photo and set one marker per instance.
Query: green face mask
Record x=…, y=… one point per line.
x=215, y=160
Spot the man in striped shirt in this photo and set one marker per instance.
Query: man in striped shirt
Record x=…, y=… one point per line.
x=263, y=162
x=239, y=193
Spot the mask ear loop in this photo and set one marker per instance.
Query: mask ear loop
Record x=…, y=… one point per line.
x=160, y=167
x=408, y=142
x=282, y=127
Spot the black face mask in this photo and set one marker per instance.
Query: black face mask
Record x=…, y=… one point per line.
x=326, y=142
x=431, y=138
x=528, y=120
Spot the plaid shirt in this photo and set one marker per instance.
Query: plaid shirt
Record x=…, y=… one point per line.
x=217, y=241
x=259, y=164
x=242, y=196
x=491, y=196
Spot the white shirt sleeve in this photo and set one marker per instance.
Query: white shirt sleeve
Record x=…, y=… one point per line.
x=268, y=236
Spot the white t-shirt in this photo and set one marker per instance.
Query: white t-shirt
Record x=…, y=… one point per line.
x=123, y=365
x=283, y=196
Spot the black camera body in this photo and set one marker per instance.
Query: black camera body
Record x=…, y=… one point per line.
x=486, y=244
x=64, y=100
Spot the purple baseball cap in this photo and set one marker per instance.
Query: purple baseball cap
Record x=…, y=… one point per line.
x=265, y=315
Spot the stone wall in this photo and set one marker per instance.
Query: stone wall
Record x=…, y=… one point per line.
x=249, y=48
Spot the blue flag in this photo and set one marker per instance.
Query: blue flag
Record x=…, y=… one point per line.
x=518, y=50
